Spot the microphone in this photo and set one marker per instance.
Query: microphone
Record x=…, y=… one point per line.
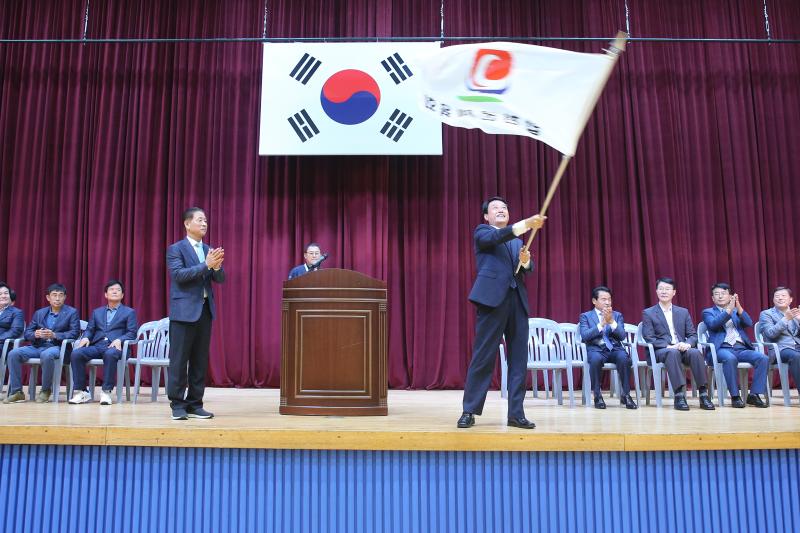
x=316, y=265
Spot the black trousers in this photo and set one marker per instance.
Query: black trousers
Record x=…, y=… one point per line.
x=508, y=318
x=188, y=361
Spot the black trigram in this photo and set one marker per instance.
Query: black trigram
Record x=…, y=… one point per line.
x=397, y=125
x=303, y=126
x=305, y=68
x=397, y=68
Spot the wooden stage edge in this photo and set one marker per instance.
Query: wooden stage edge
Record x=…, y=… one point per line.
x=418, y=420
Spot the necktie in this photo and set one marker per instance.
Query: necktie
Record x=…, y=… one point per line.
x=198, y=248
x=606, y=340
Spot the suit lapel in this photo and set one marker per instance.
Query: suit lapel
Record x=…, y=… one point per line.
x=189, y=254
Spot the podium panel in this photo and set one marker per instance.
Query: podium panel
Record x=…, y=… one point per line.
x=333, y=346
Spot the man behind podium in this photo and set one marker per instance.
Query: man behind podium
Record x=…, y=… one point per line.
x=502, y=307
x=312, y=260
x=192, y=266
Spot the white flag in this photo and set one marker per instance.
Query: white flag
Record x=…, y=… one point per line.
x=513, y=88
x=343, y=99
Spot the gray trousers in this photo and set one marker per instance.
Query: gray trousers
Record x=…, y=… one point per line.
x=674, y=360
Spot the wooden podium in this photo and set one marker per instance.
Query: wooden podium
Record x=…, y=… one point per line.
x=333, y=344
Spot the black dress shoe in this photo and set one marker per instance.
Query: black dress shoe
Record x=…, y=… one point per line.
x=680, y=403
x=628, y=402
x=705, y=403
x=599, y=403
x=737, y=402
x=523, y=423
x=756, y=401
x=467, y=420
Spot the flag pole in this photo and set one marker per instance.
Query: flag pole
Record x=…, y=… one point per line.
x=614, y=51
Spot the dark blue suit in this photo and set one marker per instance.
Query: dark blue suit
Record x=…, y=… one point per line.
x=67, y=326
x=599, y=354
x=502, y=308
x=12, y=322
x=715, y=320
x=301, y=270
x=190, y=316
x=101, y=334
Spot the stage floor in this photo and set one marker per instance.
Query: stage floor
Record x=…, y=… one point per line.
x=418, y=420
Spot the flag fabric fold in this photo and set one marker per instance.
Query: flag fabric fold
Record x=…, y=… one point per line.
x=511, y=88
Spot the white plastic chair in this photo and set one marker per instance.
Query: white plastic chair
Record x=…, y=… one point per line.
x=36, y=362
x=152, y=351
x=783, y=368
x=8, y=345
x=719, y=376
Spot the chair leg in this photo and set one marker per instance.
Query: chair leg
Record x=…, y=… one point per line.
x=743, y=383
x=503, y=378
x=127, y=383
x=659, y=385
x=57, y=379
x=546, y=374
x=92, y=380
x=136, y=377
x=156, y=373
x=121, y=371
x=637, y=385
x=570, y=387
x=557, y=386
x=32, y=379
x=783, y=371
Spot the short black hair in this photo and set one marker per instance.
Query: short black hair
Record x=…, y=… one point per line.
x=600, y=288
x=485, y=205
x=110, y=283
x=55, y=287
x=668, y=281
x=721, y=285
x=776, y=289
x=189, y=213
x=309, y=245
x=11, y=294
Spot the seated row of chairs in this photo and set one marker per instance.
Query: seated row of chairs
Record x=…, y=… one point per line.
x=149, y=349
x=557, y=347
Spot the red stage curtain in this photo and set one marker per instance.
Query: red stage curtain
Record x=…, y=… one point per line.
x=688, y=168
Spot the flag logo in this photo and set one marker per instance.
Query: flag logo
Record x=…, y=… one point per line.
x=489, y=75
x=350, y=97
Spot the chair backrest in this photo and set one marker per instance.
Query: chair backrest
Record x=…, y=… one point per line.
x=155, y=331
x=542, y=338
x=702, y=332
x=639, y=337
x=570, y=339
x=631, y=334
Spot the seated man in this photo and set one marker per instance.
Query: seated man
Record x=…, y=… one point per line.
x=602, y=330
x=109, y=327
x=781, y=325
x=726, y=322
x=670, y=330
x=46, y=331
x=313, y=261
x=12, y=320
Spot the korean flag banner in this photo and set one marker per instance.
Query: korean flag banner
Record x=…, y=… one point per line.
x=345, y=99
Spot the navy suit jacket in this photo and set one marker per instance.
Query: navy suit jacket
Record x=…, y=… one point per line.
x=593, y=338
x=67, y=326
x=122, y=327
x=300, y=270
x=715, y=320
x=496, y=256
x=655, y=329
x=188, y=279
x=12, y=322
